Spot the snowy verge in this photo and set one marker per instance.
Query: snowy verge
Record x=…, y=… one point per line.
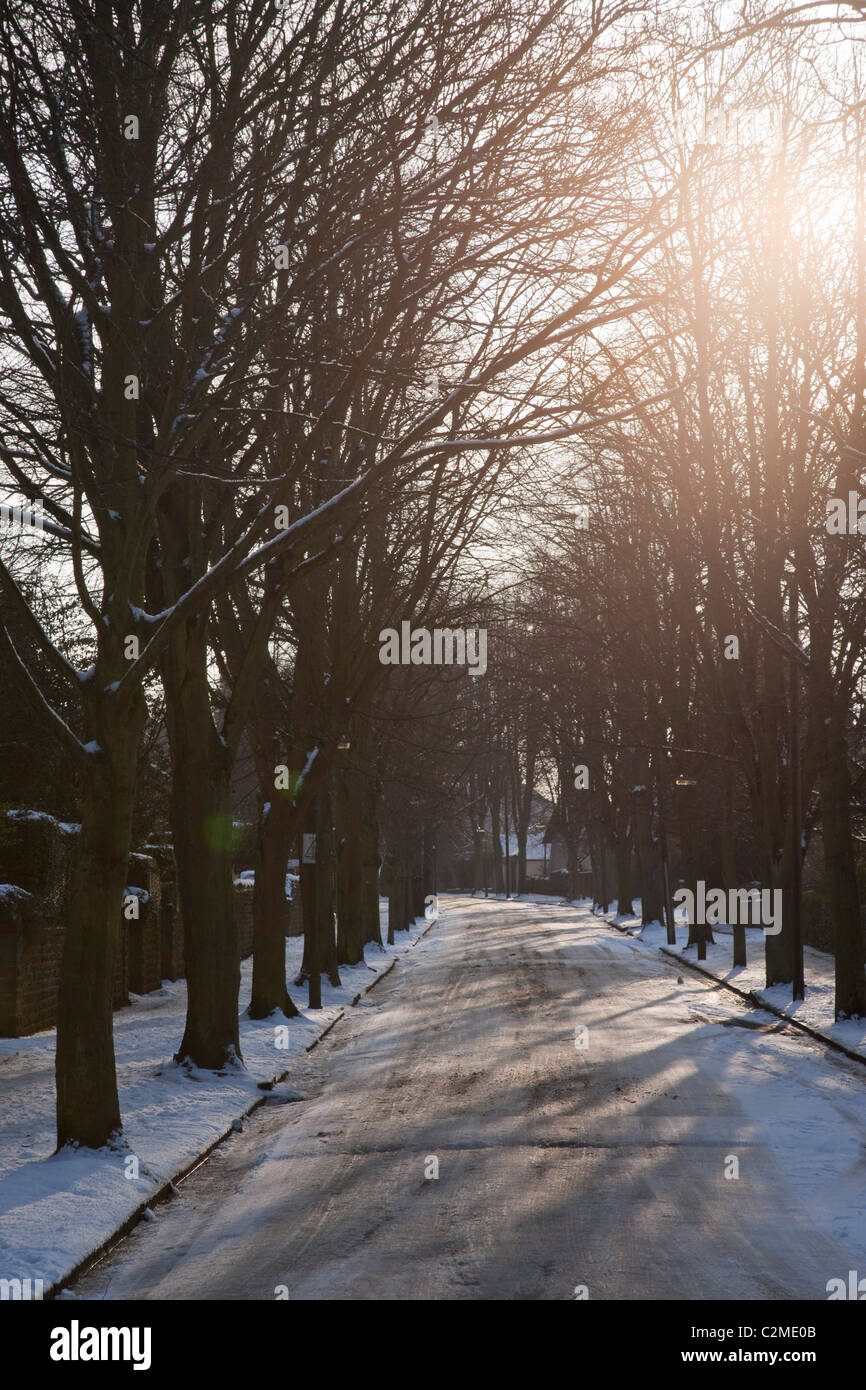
x=59, y=1210
x=814, y=1014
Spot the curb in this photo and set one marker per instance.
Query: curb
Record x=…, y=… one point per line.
x=753, y=997
x=171, y=1185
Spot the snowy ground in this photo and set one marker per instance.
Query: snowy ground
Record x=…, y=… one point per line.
x=539, y=1106
x=815, y=1011
x=57, y=1209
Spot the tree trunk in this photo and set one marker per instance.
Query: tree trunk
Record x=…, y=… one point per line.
x=416, y=884
x=429, y=863
x=311, y=967
x=687, y=850
x=397, y=894
x=729, y=867
x=88, y=1109
x=311, y=970
x=269, y=989
x=477, y=863
x=307, y=892
x=325, y=892
x=202, y=833
x=521, y=833
x=649, y=864
x=841, y=875
x=700, y=933
x=393, y=906
x=778, y=955
x=599, y=870
x=371, y=929
x=572, y=861
x=350, y=941
x=622, y=859
x=524, y=814
x=498, y=875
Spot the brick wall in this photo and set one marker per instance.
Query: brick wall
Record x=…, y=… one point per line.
x=31, y=943
x=35, y=857
x=35, y=854
x=38, y=850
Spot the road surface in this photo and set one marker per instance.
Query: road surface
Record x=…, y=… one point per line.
x=570, y=1164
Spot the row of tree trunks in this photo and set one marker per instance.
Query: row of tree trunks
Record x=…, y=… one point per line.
x=409, y=872
x=342, y=880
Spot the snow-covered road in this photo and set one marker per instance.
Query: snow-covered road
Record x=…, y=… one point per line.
x=565, y=1160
